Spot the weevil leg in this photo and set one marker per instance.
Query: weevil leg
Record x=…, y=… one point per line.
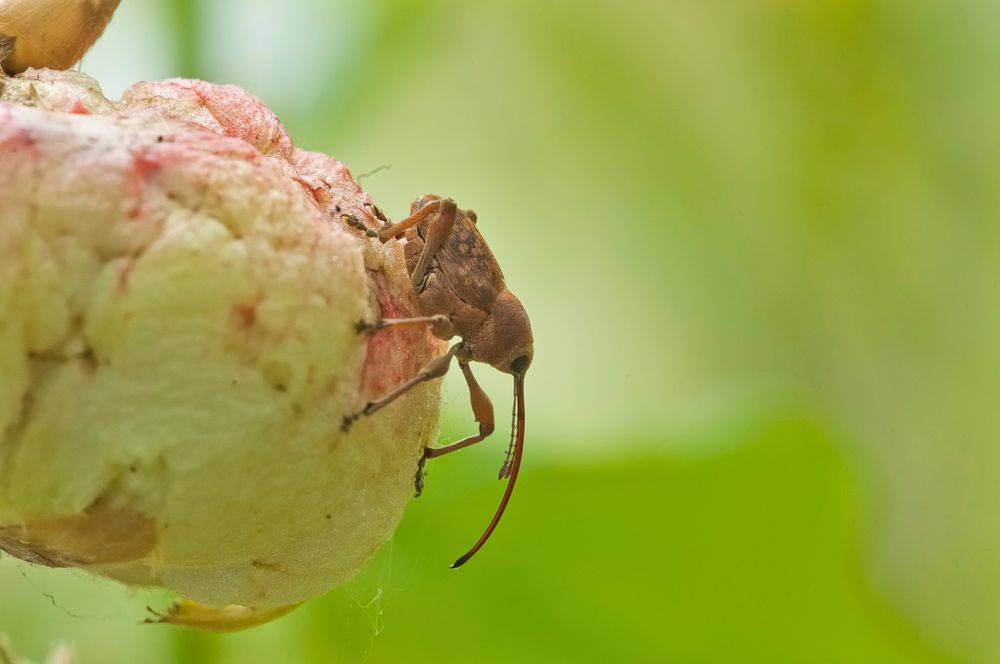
x=374, y=208
x=442, y=219
x=397, y=229
x=438, y=229
x=438, y=321
x=354, y=222
x=482, y=408
x=391, y=231
x=437, y=368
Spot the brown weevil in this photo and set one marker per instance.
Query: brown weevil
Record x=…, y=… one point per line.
x=461, y=292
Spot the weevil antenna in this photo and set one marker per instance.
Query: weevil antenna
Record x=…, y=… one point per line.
x=505, y=468
x=515, y=466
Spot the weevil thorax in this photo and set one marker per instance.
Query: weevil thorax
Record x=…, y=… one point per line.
x=504, y=340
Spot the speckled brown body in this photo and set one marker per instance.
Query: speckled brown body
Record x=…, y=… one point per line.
x=465, y=261
x=463, y=281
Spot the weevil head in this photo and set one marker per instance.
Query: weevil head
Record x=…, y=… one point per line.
x=504, y=339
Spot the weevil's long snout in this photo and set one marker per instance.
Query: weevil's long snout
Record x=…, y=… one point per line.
x=514, y=467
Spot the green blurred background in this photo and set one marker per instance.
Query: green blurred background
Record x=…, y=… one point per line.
x=759, y=243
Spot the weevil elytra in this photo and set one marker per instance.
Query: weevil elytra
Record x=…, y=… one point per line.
x=461, y=292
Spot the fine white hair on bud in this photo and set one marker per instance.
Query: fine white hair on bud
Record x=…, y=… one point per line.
x=179, y=301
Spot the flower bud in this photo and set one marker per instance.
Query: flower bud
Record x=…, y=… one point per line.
x=178, y=346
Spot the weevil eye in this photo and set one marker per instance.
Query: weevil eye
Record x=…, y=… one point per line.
x=520, y=365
